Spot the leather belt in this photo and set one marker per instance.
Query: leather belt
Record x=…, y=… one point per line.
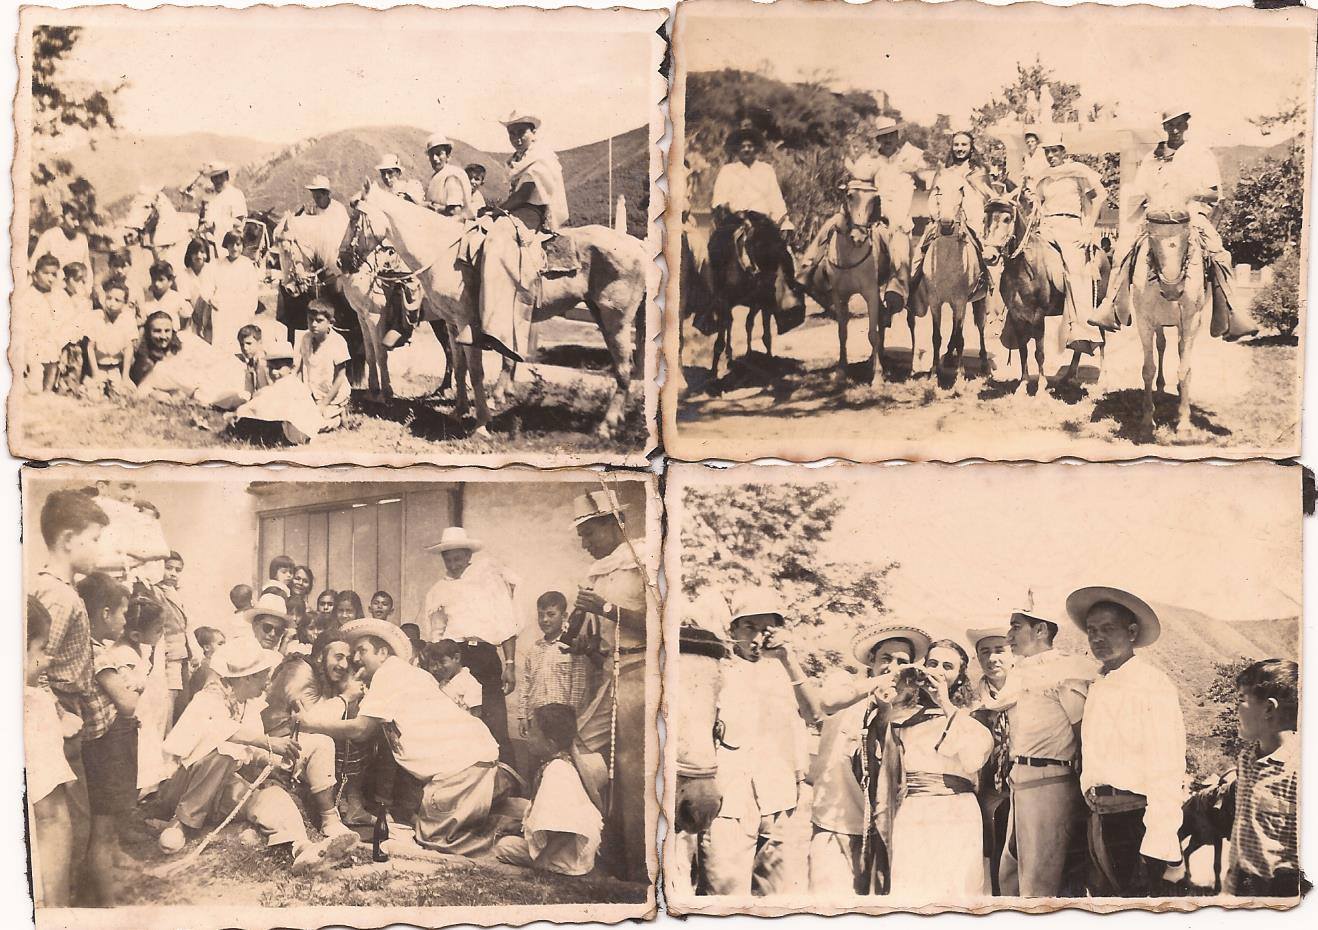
x=1107, y=791
x=1039, y=763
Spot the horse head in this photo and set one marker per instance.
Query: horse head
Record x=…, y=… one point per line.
x=142, y=212
x=1005, y=222
x=1169, y=250
x=948, y=202
x=861, y=205
x=362, y=237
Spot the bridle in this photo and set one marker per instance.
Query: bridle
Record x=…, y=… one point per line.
x=381, y=276
x=1155, y=267
x=1019, y=237
x=850, y=226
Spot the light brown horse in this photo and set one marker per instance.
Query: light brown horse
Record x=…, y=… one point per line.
x=951, y=273
x=856, y=262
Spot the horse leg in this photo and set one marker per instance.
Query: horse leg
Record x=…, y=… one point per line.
x=618, y=336
x=476, y=371
x=442, y=336
x=877, y=327
x=1149, y=336
x=767, y=319
x=981, y=323
x=1162, y=349
x=719, y=336
x=956, y=341
x=460, y=373
x=750, y=327
x=840, y=315
x=1038, y=360
x=936, y=360
x=1185, y=348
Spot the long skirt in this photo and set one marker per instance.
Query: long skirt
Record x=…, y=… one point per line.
x=938, y=849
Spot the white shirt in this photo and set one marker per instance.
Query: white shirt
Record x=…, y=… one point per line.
x=233, y=289
x=1133, y=738
x=1065, y=189
x=428, y=733
x=54, y=242
x=1170, y=183
x=561, y=805
x=335, y=215
x=226, y=210
x=1044, y=697
x=741, y=188
x=895, y=179
x=465, y=690
x=758, y=708
x=838, y=802
x=478, y=605
x=450, y=187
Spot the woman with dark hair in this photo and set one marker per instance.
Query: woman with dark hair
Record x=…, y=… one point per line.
x=348, y=607
x=964, y=159
x=299, y=589
x=188, y=283
x=932, y=755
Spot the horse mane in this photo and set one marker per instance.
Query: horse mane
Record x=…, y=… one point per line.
x=428, y=234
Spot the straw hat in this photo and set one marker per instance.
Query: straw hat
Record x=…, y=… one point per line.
x=521, y=118
x=885, y=125
x=319, y=183
x=1080, y=602
x=380, y=629
x=593, y=504
x=975, y=634
x=755, y=602
x=438, y=140
x=870, y=638
x=455, y=537
x=268, y=605
x=243, y=656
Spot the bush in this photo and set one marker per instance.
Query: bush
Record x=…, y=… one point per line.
x=1278, y=305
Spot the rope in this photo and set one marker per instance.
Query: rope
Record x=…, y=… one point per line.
x=170, y=869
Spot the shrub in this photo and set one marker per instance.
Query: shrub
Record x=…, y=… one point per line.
x=1278, y=305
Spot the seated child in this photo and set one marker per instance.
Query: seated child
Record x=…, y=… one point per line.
x=322, y=363
x=45, y=728
x=1264, y=859
x=286, y=403
x=561, y=830
x=251, y=352
x=444, y=660
x=222, y=751
x=74, y=365
x=111, y=338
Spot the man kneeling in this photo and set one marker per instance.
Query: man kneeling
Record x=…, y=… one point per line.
x=217, y=743
x=448, y=750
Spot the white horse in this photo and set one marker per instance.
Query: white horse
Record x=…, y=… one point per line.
x=166, y=231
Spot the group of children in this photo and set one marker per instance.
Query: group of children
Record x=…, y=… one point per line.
x=107, y=734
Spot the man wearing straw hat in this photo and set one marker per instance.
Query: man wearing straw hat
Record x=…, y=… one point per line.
x=226, y=210
x=1133, y=749
x=473, y=607
x=843, y=856
x=324, y=205
x=1043, y=703
x=610, y=609
x=226, y=762
x=450, y=752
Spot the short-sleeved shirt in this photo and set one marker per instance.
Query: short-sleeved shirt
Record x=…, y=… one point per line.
x=1265, y=836
x=171, y=302
x=211, y=717
x=450, y=187
x=113, y=339
x=464, y=689
x=69, y=645
x=1043, y=709
x=1064, y=190
x=317, y=366
x=428, y=733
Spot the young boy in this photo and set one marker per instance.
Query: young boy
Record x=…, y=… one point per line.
x=444, y=660
x=111, y=338
x=322, y=363
x=240, y=596
x=251, y=352
x=413, y=633
x=382, y=607
x=280, y=574
x=161, y=296
x=48, y=772
x=1264, y=860
x=561, y=830
x=48, y=328
x=476, y=175
x=551, y=672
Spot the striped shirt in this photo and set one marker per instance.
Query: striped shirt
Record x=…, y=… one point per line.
x=1265, y=837
x=69, y=645
x=552, y=675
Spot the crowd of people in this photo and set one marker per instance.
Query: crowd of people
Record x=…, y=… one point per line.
x=1045, y=775
x=317, y=720
x=178, y=311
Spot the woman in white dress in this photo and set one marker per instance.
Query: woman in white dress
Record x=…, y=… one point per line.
x=932, y=755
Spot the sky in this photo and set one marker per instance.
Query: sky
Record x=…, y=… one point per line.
x=287, y=82
x=972, y=541
x=952, y=60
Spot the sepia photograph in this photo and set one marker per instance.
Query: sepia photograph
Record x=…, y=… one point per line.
x=336, y=235
x=352, y=696
x=873, y=710
x=955, y=230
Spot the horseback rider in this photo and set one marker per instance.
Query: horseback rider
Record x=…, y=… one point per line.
x=449, y=189
x=1070, y=195
x=225, y=211
x=391, y=176
x=745, y=186
x=323, y=203
x=891, y=170
x=1035, y=162
x=963, y=165
x=1178, y=175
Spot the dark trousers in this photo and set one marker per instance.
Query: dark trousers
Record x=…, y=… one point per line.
x=1116, y=867
x=486, y=666
x=1285, y=883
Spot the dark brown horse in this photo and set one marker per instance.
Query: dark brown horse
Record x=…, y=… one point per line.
x=751, y=267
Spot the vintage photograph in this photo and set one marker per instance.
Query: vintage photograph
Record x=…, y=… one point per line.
x=337, y=235
x=357, y=696
x=1098, y=713
x=949, y=231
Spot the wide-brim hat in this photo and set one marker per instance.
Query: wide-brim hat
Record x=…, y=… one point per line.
x=1080, y=602
x=268, y=605
x=595, y=504
x=756, y=602
x=977, y=633
x=1052, y=140
x=455, y=537
x=243, y=656
x=1032, y=131
x=389, y=163
x=885, y=125
x=743, y=134
x=1169, y=115
x=213, y=168
x=438, y=140
x=870, y=638
x=380, y=629
x=522, y=118
x=319, y=183
x=278, y=351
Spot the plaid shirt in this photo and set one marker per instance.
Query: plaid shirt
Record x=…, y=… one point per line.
x=69, y=646
x=552, y=675
x=1265, y=837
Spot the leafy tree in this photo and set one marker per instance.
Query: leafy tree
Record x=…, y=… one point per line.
x=1224, y=734
x=768, y=536
x=1277, y=306
x=1263, y=216
x=63, y=110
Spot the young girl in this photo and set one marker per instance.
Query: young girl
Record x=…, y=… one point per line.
x=561, y=830
x=322, y=363
x=44, y=731
x=209, y=639
x=111, y=338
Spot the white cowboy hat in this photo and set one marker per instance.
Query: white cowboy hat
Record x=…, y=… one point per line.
x=756, y=602
x=884, y=125
x=1080, y=602
x=283, y=349
x=1169, y=115
x=454, y=537
x=389, y=163
x=437, y=140
x=243, y=656
x=380, y=629
x=268, y=605
x=1031, y=131
x=593, y=504
x=975, y=634
x=869, y=638
x=319, y=183
x=521, y=117
x=709, y=612
x=215, y=167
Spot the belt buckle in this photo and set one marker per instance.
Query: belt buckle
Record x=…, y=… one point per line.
x=472, y=641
